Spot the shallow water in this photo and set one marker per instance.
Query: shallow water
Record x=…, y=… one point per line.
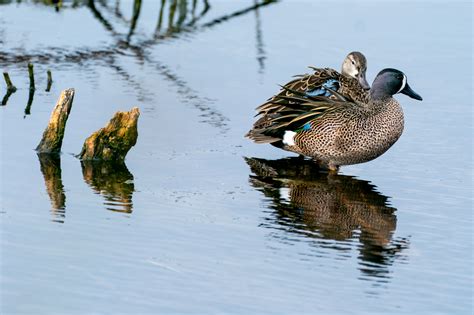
x=201, y=220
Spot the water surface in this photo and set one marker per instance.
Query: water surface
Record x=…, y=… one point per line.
x=199, y=219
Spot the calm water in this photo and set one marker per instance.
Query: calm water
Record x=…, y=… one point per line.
x=200, y=220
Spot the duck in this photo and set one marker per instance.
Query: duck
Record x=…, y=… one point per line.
x=351, y=83
x=337, y=131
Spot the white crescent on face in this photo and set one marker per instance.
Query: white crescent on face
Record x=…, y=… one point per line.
x=404, y=83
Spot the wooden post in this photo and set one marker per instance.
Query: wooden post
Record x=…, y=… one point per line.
x=50, y=81
x=113, y=142
x=54, y=132
x=31, y=75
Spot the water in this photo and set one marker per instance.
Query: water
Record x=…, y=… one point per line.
x=199, y=219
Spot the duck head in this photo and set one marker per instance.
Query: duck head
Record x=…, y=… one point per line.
x=355, y=66
x=390, y=82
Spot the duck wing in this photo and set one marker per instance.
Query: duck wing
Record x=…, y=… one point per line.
x=295, y=113
x=309, y=85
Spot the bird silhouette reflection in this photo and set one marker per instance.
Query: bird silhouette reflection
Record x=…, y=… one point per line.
x=321, y=206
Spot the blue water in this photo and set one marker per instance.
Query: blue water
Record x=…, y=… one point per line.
x=200, y=220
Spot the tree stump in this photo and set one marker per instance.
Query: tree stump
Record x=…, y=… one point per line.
x=54, y=132
x=113, y=142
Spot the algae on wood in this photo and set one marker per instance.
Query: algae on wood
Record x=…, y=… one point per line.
x=54, y=132
x=113, y=142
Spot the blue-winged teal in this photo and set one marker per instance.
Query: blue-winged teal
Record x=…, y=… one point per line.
x=339, y=132
x=350, y=83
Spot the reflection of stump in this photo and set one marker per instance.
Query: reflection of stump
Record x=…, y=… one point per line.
x=114, y=140
x=51, y=168
x=113, y=181
x=54, y=133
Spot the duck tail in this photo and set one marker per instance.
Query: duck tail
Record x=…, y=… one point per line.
x=259, y=136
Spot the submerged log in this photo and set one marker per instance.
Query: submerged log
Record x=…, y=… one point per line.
x=54, y=132
x=113, y=142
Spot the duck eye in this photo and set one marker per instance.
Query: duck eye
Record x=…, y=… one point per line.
x=353, y=62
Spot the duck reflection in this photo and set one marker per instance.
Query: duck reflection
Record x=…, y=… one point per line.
x=321, y=206
x=50, y=165
x=113, y=181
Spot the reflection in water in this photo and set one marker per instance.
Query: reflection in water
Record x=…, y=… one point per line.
x=184, y=18
x=259, y=41
x=51, y=168
x=137, y=5
x=7, y=96
x=31, y=95
x=113, y=181
x=320, y=206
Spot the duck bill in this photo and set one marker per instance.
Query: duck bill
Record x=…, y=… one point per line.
x=408, y=91
x=363, y=82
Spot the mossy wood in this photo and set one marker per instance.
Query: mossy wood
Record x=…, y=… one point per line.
x=113, y=142
x=54, y=132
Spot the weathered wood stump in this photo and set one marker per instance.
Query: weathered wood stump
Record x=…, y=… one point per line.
x=54, y=132
x=113, y=142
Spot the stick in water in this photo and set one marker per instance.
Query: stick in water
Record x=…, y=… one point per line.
x=32, y=76
x=50, y=81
